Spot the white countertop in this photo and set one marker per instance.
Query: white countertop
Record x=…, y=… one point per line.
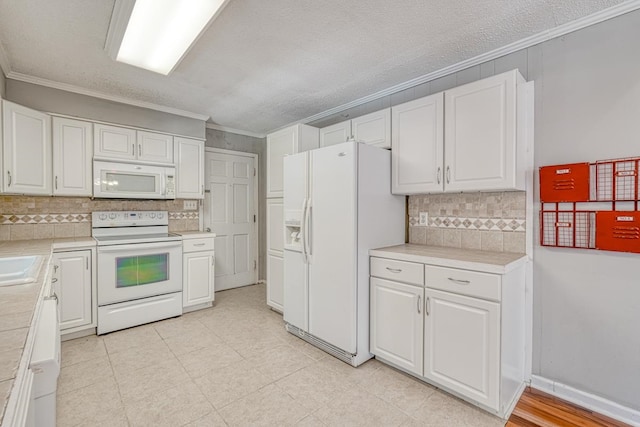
x=485, y=261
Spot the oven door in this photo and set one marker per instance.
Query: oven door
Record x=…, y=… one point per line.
x=133, y=271
x=125, y=180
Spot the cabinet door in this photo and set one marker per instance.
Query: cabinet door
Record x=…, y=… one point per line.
x=189, y=158
x=279, y=145
x=416, y=146
x=113, y=142
x=275, y=282
x=72, y=157
x=480, y=134
x=197, y=280
x=462, y=345
x=73, y=287
x=154, y=147
x=373, y=129
x=335, y=134
x=27, y=150
x=397, y=323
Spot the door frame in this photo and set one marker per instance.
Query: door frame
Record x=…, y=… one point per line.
x=256, y=207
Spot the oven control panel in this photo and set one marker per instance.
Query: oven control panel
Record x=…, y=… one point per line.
x=129, y=218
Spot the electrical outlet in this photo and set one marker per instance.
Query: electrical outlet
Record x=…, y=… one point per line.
x=424, y=217
x=190, y=205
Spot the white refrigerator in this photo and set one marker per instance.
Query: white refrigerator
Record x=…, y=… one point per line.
x=337, y=205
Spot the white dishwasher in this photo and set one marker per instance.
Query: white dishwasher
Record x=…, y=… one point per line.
x=45, y=364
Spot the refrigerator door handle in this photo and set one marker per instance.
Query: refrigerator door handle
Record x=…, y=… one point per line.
x=303, y=232
x=307, y=231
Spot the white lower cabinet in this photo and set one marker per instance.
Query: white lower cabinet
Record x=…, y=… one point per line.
x=275, y=254
x=198, y=272
x=73, y=285
x=396, y=323
x=461, y=345
x=461, y=330
x=275, y=282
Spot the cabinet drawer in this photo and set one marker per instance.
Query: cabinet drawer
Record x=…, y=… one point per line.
x=399, y=271
x=464, y=282
x=195, y=245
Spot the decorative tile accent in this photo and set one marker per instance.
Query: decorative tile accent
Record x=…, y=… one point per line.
x=43, y=218
x=492, y=224
x=184, y=215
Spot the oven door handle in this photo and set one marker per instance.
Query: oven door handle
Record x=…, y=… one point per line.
x=139, y=246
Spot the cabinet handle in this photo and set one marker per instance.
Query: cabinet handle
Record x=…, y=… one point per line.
x=213, y=261
x=448, y=174
x=56, y=183
x=198, y=244
x=9, y=174
x=53, y=296
x=133, y=150
x=55, y=268
x=438, y=173
x=419, y=303
x=86, y=262
x=426, y=306
x=394, y=270
x=461, y=282
x=202, y=189
x=54, y=280
x=139, y=150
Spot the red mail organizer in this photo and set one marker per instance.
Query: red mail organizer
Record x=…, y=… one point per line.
x=565, y=183
x=562, y=187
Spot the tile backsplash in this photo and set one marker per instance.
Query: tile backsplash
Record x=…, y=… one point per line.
x=43, y=217
x=486, y=221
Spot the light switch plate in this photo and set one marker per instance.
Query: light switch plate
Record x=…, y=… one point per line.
x=190, y=205
x=424, y=217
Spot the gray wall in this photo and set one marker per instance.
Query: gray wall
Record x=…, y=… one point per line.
x=58, y=101
x=587, y=107
x=2, y=84
x=249, y=144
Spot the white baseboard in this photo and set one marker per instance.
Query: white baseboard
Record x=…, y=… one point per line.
x=587, y=400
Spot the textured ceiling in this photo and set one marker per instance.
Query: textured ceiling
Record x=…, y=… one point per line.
x=263, y=64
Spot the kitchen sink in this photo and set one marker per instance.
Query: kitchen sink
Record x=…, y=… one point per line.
x=19, y=270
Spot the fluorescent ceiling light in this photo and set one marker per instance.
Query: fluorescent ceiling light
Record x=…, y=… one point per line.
x=160, y=32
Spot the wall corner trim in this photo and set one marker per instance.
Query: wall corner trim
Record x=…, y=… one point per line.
x=561, y=30
x=236, y=131
x=96, y=94
x=587, y=400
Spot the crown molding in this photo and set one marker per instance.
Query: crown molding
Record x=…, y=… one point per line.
x=236, y=131
x=117, y=26
x=561, y=30
x=83, y=91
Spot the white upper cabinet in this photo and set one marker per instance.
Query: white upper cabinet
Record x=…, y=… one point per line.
x=372, y=129
x=27, y=150
x=72, y=155
x=335, y=134
x=154, y=147
x=189, y=158
x=114, y=142
x=294, y=139
x=480, y=134
x=478, y=142
x=417, y=146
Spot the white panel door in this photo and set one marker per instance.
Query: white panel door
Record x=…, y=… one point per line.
x=154, y=147
x=335, y=134
x=72, y=274
x=332, y=245
x=27, y=150
x=279, y=145
x=462, y=345
x=113, y=142
x=189, y=159
x=197, y=278
x=231, y=214
x=72, y=157
x=397, y=323
x=416, y=146
x=373, y=128
x=480, y=134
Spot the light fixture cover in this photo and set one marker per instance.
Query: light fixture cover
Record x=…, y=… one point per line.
x=160, y=32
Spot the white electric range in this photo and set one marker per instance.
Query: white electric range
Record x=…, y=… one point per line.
x=139, y=268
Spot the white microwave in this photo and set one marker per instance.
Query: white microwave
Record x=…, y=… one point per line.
x=133, y=181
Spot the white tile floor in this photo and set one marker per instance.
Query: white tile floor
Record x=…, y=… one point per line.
x=234, y=364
